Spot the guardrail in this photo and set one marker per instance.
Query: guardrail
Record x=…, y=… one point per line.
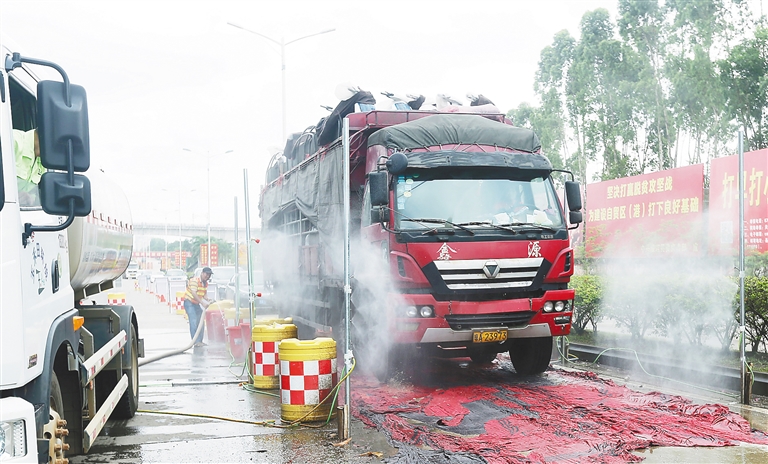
x=709, y=376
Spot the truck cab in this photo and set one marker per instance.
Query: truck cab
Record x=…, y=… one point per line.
x=64, y=236
x=459, y=238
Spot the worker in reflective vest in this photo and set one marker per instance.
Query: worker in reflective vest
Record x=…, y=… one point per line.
x=195, y=302
x=29, y=169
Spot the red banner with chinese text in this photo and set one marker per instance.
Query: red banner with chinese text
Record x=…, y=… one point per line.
x=648, y=215
x=204, y=255
x=724, y=204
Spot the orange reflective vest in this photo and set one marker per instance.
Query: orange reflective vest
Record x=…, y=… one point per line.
x=196, y=286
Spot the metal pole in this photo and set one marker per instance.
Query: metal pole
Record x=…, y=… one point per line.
x=237, y=262
x=347, y=288
x=744, y=397
x=248, y=248
x=180, y=266
x=282, y=64
x=282, y=45
x=208, y=189
x=165, y=239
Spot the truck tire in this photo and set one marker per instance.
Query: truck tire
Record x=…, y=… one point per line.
x=531, y=355
x=51, y=430
x=106, y=381
x=129, y=403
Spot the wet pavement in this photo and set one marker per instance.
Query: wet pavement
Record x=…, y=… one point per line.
x=188, y=405
x=192, y=408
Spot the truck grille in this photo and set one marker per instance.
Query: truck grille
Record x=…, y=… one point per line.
x=476, y=321
x=488, y=274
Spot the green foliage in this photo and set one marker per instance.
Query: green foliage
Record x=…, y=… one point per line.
x=637, y=305
x=756, y=264
x=545, y=123
x=755, y=311
x=587, y=307
x=745, y=74
x=696, y=305
x=630, y=94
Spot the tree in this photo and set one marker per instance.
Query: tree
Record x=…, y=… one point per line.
x=549, y=84
x=547, y=125
x=755, y=311
x=600, y=86
x=587, y=305
x=696, y=304
x=744, y=74
x=641, y=24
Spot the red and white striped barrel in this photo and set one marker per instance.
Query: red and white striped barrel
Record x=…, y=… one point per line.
x=307, y=376
x=179, y=303
x=265, y=339
x=116, y=299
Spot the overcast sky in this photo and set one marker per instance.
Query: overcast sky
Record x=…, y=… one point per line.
x=164, y=76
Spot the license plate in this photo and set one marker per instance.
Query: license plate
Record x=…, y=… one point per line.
x=489, y=336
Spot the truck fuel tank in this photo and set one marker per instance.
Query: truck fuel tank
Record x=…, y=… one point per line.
x=101, y=243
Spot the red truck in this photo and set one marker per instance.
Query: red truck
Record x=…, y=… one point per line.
x=459, y=242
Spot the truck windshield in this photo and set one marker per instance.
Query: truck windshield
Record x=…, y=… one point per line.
x=475, y=202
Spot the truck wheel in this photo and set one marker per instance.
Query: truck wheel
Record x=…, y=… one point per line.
x=106, y=381
x=129, y=403
x=531, y=355
x=55, y=431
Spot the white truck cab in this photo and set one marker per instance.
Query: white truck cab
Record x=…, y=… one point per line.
x=64, y=369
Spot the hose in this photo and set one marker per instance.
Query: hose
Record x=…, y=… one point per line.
x=179, y=351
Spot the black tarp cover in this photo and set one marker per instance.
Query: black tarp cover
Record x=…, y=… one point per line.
x=448, y=129
x=316, y=187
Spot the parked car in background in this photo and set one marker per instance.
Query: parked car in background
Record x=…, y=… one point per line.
x=176, y=275
x=132, y=272
x=221, y=277
x=264, y=301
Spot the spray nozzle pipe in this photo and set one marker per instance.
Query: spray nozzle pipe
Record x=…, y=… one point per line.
x=348, y=357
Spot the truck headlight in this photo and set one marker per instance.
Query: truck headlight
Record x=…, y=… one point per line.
x=548, y=307
x=12, y=439
x=411, y=311
x=426, y=311
x=559, y=306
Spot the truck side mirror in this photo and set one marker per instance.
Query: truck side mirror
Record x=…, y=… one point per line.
x=397, y=163
x=61, y=124
x=377, y=182
x=575, y=217
x=376, y=215
x=573, y=196
x=56, y=193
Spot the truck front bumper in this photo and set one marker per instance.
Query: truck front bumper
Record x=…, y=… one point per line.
x=437, y=330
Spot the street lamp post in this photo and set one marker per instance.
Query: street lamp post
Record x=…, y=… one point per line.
x=166, y=222
x=282, y=43
x=208, y=157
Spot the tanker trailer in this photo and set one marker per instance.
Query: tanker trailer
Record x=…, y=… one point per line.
x=65, y=368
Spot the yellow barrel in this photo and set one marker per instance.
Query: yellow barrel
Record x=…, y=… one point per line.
x=231, y=313
x=265, y=339
x=179, y=303
x=307, y=375
x=273, y=319
x=219, y=305
x=116, y=299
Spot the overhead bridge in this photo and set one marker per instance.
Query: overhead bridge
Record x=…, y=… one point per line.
x=191, y=230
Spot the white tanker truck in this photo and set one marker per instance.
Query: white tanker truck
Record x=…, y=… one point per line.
x=65, y=368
